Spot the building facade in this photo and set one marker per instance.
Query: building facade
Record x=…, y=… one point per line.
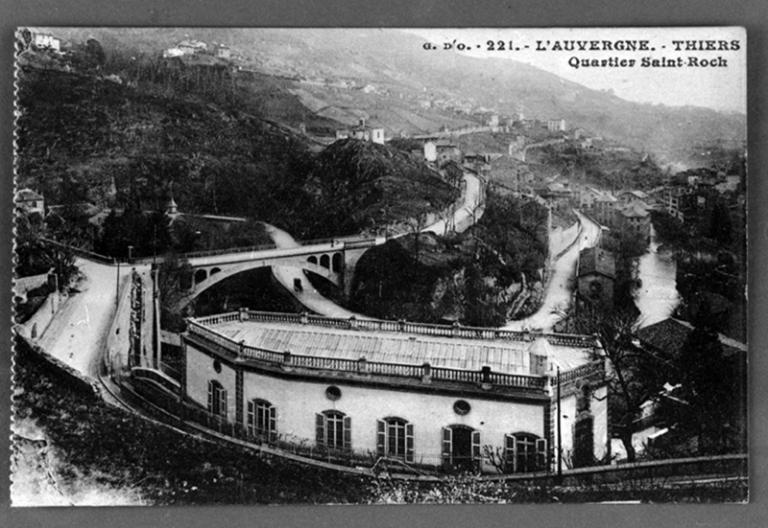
x=440, y=398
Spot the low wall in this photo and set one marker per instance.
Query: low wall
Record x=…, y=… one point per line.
x=26, y=348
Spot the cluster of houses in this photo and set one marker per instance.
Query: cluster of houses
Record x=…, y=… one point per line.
x=362, y=131
x=190, y=47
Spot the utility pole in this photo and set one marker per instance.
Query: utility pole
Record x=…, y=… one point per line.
x=117, y=286
x=559, y=436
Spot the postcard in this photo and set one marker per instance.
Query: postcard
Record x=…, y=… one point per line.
x=375, y=266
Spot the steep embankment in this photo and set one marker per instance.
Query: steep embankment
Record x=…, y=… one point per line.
x=477, y=277
x=358, y=186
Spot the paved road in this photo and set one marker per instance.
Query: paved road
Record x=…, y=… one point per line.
x=308, y=296
x=313, y=300
x=464, y=217
x=565, y=246
x=77, y=333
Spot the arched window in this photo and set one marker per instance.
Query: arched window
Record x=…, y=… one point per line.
x=525, y=453
x=394, y=438
x=217, y=399
x=333, y=430
x=262, y=419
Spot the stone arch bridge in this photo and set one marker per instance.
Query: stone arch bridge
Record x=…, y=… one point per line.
x=334, y=260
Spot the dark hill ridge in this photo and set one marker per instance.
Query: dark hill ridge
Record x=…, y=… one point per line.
x=85, y=139
x=395, y=62
x=373, y=185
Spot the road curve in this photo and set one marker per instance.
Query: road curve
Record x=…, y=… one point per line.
x=565, y=247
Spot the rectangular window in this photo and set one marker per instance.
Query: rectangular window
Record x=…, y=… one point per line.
x=333, y=430
x=262, y=419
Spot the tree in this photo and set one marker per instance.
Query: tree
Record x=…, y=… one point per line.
x=94, y=53
x=636, y=375
x=174, y=281
x=711, y=387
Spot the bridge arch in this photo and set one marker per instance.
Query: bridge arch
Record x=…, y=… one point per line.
x=325, y=261
x=336, y=262
x=312, y=260
x=201, y=279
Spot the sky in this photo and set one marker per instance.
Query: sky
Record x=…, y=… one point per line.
x=721, y=88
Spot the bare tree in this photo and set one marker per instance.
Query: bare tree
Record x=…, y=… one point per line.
x=635, y=375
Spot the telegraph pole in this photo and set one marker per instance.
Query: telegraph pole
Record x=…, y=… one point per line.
x=559, y=436
x=117, y=285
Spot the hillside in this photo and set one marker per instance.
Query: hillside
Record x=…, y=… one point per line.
x=404, y=79
x=372, y=185
x=85, y=138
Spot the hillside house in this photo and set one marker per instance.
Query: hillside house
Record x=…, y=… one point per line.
x=596, y=275
x=598, y=204
x=46, y=41
x=635, y=218
x=223, y=52
x=363, y=132
x=186, y=47
x=556, y=125
x=430, y=151
x=447, y=151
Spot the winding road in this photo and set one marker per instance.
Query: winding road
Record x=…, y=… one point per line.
x=565, y=246
x=468, y=212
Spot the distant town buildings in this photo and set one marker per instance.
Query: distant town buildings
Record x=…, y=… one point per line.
x=363, y=132
x=46, y=41
x=635, y=218
x=196, y=47
x=447, y=151
x=598, y=203
x=556, y=125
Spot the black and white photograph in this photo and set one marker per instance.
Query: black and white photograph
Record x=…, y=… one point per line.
x=379, y=266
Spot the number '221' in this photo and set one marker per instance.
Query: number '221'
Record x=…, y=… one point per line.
x=499, y=45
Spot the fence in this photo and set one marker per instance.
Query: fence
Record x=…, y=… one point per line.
x=166, y=404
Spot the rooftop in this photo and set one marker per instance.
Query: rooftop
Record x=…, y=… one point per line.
x=597, y=260
x=670, y=334
x=393, y=342
x=634, y=210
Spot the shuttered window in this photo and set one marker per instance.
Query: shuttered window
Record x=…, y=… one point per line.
x=475, y=445
x=262, y=419
x=217, y=399
x=447, y=444
x=394, y=438
x=525, y=452
x=333, y=429
x=510, y=449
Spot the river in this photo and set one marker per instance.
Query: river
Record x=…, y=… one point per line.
x=657, y=296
